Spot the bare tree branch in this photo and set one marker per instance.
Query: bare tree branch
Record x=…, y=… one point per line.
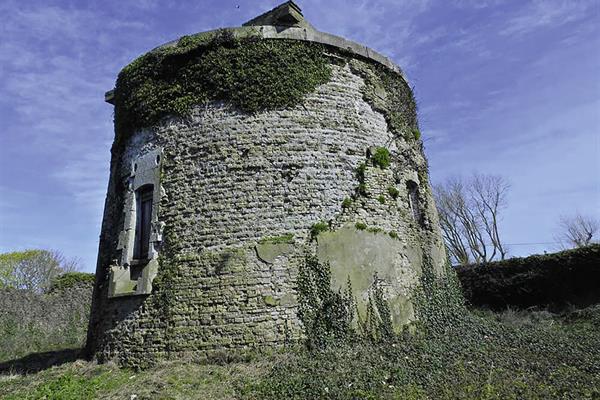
x=578, y=230
x=469, y=215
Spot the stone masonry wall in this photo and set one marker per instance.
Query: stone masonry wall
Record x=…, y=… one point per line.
x=230, y=180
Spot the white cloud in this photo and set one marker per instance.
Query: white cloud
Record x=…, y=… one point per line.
x=387, y=26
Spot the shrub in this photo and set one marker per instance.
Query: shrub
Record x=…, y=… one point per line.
x=558, y=279
x=381, y=199
x=393, y=192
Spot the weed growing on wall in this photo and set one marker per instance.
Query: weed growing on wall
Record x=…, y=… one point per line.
x=318, y=228
x=360, y=172
x=347, y=203
x=381, y=158
x=283, y=239
x=361, y=226
x=328, y=315
x=250, y=73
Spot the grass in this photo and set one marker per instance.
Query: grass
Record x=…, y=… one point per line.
x=172, y=380
x=486, y=355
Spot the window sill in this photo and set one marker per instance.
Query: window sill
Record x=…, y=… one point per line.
x=139, y=262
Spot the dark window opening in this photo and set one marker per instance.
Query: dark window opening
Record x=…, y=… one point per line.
x=143, y=222
x=413, y=200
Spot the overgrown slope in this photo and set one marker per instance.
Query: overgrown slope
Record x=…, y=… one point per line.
x=512, y=355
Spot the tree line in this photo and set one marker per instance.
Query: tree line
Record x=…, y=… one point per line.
x=34, y=270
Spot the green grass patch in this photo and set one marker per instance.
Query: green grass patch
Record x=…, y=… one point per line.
x=283, y=239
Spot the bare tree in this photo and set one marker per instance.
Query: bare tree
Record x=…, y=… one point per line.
x=34, y=269
x=469, y=215
x=578, y=230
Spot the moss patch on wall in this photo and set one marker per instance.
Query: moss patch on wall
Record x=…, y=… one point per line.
x=389, y=94
x=250, y=73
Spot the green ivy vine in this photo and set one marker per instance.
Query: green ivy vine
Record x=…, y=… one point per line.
x=249, y=73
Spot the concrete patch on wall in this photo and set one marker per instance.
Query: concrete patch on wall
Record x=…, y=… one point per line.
x=360, y=256
x=268, y=252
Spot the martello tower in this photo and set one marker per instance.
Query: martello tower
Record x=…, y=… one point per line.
x=239, y=153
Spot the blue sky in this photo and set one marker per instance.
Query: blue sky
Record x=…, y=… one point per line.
x=503, y=87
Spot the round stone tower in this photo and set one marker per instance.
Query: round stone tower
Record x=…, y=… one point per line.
x=241, y=156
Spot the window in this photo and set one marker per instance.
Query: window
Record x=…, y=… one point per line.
x=413, y=199
x=143, y=222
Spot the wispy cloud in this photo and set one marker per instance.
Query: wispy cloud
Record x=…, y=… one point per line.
x=387, y=26
x=544, y=13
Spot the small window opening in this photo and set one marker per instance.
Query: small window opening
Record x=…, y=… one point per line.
x=143, y=222
x=413, y=199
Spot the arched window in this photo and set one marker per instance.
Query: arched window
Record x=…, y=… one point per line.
x=413, y=199
x=143, y=201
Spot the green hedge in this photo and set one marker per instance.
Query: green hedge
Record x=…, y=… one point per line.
x=556, y=280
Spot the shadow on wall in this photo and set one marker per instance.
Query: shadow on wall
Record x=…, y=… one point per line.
x=40, y=361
